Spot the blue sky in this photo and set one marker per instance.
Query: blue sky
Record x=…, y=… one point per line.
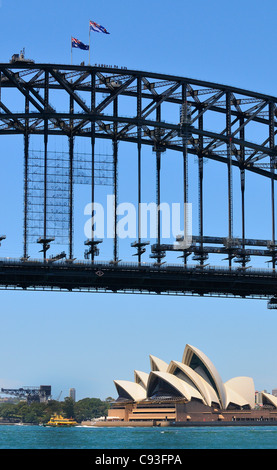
x=87, y=340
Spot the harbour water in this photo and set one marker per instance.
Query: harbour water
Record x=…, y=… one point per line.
x=39, y=437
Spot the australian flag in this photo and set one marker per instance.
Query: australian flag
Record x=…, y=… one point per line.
x=97, y=28
x=76, y=43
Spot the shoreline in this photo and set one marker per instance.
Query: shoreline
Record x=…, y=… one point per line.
x=180, y=424
x=143, y=424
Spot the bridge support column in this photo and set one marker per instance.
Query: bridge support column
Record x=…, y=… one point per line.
x=200, y=185
x=45, y=244
x=185, y=133
x=115, y=163
x=71, y=157
x=26, y=163
x=230, y=178
x=272, y=169
x=242, y=186
x=159, y=255
x=158, y=201
x=92, y=141
x=139, y=252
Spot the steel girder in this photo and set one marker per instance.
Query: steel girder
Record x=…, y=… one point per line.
x=203, y=98
x=243, y=136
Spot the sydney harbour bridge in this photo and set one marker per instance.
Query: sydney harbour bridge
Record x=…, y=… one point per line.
x=193, y=119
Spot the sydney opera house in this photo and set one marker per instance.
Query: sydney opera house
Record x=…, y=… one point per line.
x=186, y=392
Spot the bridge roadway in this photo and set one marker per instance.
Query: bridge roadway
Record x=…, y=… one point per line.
x=130, y=277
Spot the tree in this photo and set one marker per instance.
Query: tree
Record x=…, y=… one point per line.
x=68, y=408
x=89, y=408
x=8, y=412
x=109, y=399
x=36, y=413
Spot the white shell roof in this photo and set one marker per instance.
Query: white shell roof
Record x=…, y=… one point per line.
x=158, y=364
x=187, y=356
x=141, y=378
x=241, y=391
x=185, y=389
x=202, y=382
x=136, y=391
x=270, y=398
x=207, y=392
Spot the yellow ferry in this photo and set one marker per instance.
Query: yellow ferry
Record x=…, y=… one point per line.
x=60, y=421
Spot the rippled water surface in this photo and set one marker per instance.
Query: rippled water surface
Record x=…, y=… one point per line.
x=38, y=437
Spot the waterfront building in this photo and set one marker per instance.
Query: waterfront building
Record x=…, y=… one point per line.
x=72, y=394
x=190, y=390
x=259, y=397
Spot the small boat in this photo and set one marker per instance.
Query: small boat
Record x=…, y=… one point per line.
x=59, y=421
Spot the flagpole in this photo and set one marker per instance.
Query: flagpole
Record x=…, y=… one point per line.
x=71, y=50
x=89, y=46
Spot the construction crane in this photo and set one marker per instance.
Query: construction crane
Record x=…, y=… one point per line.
x=32, y=394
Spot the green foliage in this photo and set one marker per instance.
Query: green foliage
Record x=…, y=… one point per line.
x=90, y=408
x=40, y=413
x=68, y=408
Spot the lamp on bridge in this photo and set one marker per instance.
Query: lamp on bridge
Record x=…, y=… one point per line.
x=141, y=248
x=157, y=253
x=93, y=250
x=2, y=237
x=45, y=242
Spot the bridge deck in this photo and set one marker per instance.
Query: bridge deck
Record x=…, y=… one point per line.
x=132, y=277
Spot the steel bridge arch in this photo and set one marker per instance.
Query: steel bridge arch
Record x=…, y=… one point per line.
x=93, y=94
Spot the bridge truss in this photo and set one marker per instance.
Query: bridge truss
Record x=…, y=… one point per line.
x=198, y=119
